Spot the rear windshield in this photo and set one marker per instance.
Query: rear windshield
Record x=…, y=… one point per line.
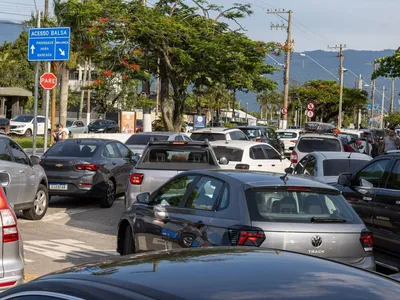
x=333, y=167
x=98, y=122
x=143, y=139
x=310, y=144
x=287, y=135
x=251, y=132
x=177, y=157
x=72, y=149
x=297, y=207
x=232, y=154
x=201, y=136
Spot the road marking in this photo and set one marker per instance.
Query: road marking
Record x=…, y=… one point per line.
x=65, y=248
x=29, y=277
x=64, y=214
x=28, y=260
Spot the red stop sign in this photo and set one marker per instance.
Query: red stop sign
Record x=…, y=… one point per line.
x=48, y=81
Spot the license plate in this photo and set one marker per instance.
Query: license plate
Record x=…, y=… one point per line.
x=58, y=186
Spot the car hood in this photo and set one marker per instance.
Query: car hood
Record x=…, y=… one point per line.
x=19, y=123
x=238, y=273
x=327, y=179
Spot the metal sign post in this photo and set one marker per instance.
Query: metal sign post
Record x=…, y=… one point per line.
x=35, y=103
x=46, y=123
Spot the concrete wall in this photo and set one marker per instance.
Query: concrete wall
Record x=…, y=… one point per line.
x=122, y=137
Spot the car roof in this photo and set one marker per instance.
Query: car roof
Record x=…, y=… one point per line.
x=289, y=130
x=216, y=130
x=341, y=155
x=237, y=273
x=236, y=143
x=164, y=133
x=92, y=140
x=316, y=135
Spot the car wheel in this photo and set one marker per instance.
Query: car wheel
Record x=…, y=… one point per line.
x=129, y=244
x=109, y=197
x=40, y=205
x=28, y=133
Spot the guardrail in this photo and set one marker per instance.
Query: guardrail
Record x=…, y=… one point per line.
x=122, y=137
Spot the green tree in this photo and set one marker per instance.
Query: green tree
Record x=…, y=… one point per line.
x=393, y=118
x=389, y=66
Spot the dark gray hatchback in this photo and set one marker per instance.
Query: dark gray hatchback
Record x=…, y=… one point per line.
x=238, y=208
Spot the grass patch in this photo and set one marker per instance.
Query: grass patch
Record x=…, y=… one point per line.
x=27, y=142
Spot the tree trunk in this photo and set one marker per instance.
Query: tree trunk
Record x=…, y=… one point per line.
x=83, y=85
x=233, y=105
x=165, y=101
x=64, y=94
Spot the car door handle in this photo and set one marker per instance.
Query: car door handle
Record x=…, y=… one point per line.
x=273, y=165
x=114, y=163
x=22, y=171
x=199, y=224
x=367, y=198
x=260, y=165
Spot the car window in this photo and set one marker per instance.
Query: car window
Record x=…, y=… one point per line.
x=40, y=119
x=224, y=201
x=125, y=153
x=270, y=152
x=251, y=132
x=372, y=174
x=394, y=177
x=201, y=136
x=287, y=135
x=205, y=194
x=333, y=167
x=79, y=124
x=72, y=149
x=178, y=138
x=232, y=154
x=111, y=151
x=173, y=192
x=271, y=134
x=299, y=169
x=5, y=154
x=310, y=144
x=311, y=167
x=185, y=138
x=19, y=155
x=257, y=152
x=143, y=139
x=272, y=205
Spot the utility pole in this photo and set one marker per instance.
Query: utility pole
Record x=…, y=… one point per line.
x=89, y=78
x=35, y=103
x=289, y=45
x=372, y=94
x=392, y=98
x=48, y=69
x=341, y=58
x=383, y=106
x=146, y=93
x=360, y=87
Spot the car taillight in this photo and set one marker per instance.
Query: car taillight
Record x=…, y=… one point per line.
x=358, y=143
x=259, y=140
x=242, y=167
x=246, y=236
x=293, y=141
x=8, y=220
x=136, y=178
x=41, y=163
x=371, y=142
x=367, y=241
x=293, y=157
x=87, y=167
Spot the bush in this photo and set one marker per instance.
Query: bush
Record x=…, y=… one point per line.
x=27, y=142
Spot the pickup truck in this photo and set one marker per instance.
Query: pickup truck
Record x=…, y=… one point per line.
x=4, y=125
x=163, y=160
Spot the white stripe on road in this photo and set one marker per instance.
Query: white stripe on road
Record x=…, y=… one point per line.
x=28, y=260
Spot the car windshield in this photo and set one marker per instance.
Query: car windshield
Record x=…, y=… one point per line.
x=99, y=123
x=333, y=167
x=143, y=139
x=310, y=144
x=23, y=119
x=251, y=132
x=72, y=149
x=69, y=123
x=232, y=154
x=201, y=136
x=287, y=135
x=271, y=205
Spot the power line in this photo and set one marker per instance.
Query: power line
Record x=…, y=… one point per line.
x=14, y=14
x=17, y=3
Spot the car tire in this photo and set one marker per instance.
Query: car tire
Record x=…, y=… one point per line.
x=108, y=199
x=129, y=244
x=40, y=204
x=28, y=133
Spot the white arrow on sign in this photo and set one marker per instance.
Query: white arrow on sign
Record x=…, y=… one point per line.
x=33, y=49
x=62, y=52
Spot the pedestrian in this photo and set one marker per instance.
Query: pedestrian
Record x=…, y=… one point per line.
x=60, y=133
x=100, y=118
x=391, y=141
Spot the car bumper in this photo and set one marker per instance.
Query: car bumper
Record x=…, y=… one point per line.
x=79, y=187
x=13, y=274
x=17, y=131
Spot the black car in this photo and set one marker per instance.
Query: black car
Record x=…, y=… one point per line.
x=103, y=126
x=210, y=273
x=374, y=192
x=375, y=138
x=263, y=134
x=88, y=167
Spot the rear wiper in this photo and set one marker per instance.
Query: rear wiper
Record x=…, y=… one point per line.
x=327, y=220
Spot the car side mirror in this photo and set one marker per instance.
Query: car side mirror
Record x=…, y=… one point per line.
x=5, y=179
x=35, y=160
x=289, y=170
x=282, y=157
x=345, y=179
x=223, y=161
x=143, y=198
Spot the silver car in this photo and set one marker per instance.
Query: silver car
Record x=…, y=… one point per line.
x=203, y=208
x=27, y=190
x=138, y=141
x=11, y=251
x=163, y=160
x=76, y=126
x=326, y=166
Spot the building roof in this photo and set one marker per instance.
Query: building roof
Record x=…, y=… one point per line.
x=225, y=113
x=14, y=91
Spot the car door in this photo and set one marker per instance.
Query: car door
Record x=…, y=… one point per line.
x=274, y=158
x=364, y=188
x=300, y=167
x=40, y=124
x=115, y=164
x=387, y=212
x=259, y=161
x=8, y=165
x=26, y=172
x=310, y=168
x=129, y=163
x=159, y=223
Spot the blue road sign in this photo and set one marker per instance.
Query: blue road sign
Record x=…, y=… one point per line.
x=49, y=44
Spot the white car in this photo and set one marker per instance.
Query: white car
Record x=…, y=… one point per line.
x=289, y=137
x=249, y=155
x=218, y=134
x=23, y=125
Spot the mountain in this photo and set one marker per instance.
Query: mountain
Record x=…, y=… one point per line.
x=302, y=68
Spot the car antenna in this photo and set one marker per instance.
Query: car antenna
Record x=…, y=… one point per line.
x=285, y=177
x=350, y=155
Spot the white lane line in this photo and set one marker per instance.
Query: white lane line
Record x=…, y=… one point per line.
x=28, y=260
x=49, y=253
x=82, y=245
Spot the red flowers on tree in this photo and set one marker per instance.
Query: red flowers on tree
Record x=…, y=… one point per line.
x=107, y=73
x=103, y=20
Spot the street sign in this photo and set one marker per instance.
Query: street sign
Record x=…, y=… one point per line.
x=310, y=113
x=199, y=121
x=48, y=81
x=284, y=111
x=49, y=44
x=310, y=106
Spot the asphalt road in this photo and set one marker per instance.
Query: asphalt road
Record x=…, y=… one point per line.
x=73, y=232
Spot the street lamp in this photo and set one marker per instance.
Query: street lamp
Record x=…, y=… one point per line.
x=305, y=55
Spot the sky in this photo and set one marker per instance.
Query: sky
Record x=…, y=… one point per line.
x=359, y=24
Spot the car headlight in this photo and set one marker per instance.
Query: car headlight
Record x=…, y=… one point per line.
x=100, y=129
x=20, y=126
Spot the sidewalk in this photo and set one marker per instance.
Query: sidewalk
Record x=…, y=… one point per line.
x=29, y=151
